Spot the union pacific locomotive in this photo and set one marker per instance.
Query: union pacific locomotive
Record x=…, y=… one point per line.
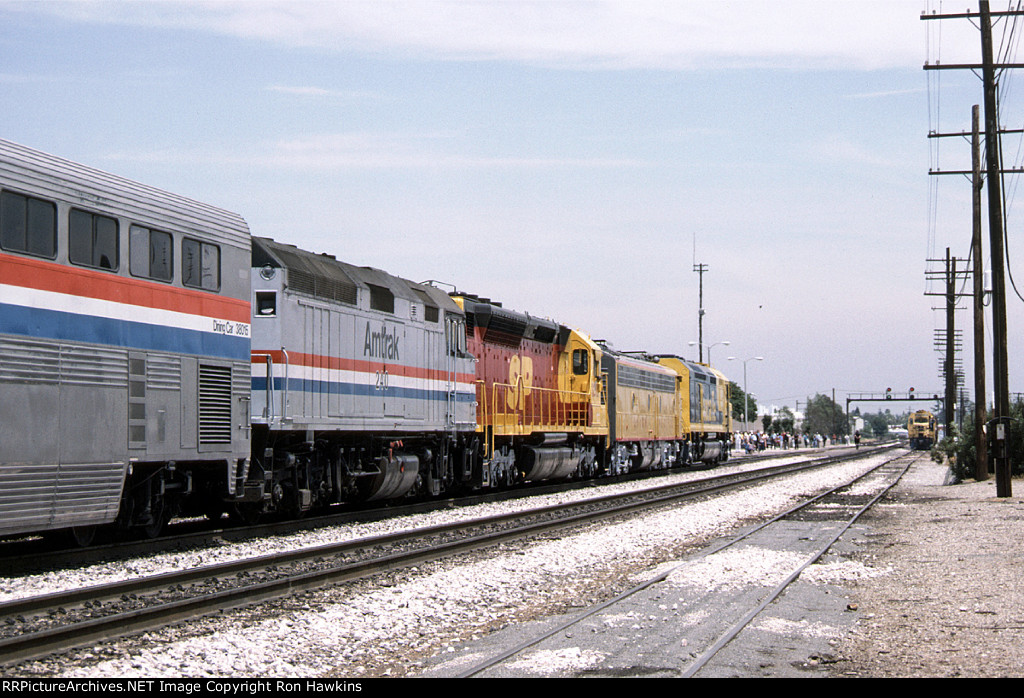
x=157, y=359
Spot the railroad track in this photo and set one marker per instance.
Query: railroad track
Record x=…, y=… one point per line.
x=39, y=626
x=736, y=612
x=34, y=555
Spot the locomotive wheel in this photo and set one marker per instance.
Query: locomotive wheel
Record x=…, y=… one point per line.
x=82, y=536
x=248, y=514
x=161, y=517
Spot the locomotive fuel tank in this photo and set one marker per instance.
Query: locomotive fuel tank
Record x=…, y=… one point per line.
x=395, y=478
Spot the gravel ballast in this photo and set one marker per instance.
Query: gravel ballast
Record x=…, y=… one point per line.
x=396, y=623
x=946, y=597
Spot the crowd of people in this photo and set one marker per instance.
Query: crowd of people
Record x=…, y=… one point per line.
x=751, y=441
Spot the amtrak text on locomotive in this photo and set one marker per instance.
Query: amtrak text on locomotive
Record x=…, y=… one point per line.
x=382, y=344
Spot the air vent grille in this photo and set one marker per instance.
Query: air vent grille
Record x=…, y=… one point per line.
x=214, y=404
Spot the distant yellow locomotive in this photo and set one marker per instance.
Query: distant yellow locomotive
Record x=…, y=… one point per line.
x=921, y=430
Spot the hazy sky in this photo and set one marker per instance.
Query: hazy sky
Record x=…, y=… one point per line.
x=570, y=159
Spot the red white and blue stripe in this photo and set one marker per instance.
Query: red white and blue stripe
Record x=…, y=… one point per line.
x=44, y=300
x=338, y=376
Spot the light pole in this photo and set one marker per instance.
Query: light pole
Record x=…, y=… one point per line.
x=725, y=343
x=746, y=395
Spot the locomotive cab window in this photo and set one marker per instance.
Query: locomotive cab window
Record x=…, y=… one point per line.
x=200, y=265
x=150, y=253
x=580, y=362
x=92, y=240
x=266, y=303
x=28, y=225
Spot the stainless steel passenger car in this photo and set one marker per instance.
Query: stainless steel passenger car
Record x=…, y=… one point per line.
x=361, y=384
x=124, y=349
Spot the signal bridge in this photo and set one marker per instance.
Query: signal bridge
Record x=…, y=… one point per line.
x=889, y=395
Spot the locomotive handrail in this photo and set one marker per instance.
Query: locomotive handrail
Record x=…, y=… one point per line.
x=284, y=393
x=268, y=408
x=484, y=421
x=515, y=411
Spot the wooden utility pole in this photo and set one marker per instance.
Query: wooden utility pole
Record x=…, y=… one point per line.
x=999, y=427
x=950, y=362
x=1000, y=372
x=978, y=293
x=946, y=341
x=980, y=401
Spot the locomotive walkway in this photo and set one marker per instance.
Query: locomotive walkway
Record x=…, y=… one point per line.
x=925, y=585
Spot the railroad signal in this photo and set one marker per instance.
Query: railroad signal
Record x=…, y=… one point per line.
x=888, y=393
x=911, y=394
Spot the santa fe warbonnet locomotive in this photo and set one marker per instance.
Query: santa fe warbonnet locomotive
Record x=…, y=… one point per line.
x=156, y=359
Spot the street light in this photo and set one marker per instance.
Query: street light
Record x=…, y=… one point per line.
x=746, y=395
x=725, y=343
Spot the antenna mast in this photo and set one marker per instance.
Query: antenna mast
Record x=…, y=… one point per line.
x=700, y=269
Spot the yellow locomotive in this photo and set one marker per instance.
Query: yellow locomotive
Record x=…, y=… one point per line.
x=921, y=430
x=553, y=403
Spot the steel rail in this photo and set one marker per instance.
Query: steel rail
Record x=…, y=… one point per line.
x=33, y=645
x=728, y=636
x=20, y=556
x=747, y=619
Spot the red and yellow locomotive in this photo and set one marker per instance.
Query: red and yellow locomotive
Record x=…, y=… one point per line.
x=553, y=404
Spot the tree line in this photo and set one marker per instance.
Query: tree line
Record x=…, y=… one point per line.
x=821, y=416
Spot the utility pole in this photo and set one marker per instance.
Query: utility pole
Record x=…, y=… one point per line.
x=950, y=345
x=1000, y=425
x=947, y=342
x=978, y=266
x=1000, y=372
x=700, y=269
x=980, y=401
x=835, y=417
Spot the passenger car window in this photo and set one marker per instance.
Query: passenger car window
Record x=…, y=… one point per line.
x=200, y=265
x=151, y=253
x=92, y=240
x=28, y=225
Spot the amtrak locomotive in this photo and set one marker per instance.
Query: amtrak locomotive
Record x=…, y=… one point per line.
x=158, y=359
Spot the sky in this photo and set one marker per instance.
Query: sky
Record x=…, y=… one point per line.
x=573, y=160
